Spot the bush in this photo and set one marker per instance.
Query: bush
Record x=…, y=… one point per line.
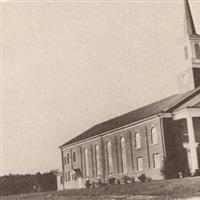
x=98, y=182
x=126, y=179
x=87, y=183
x=117, y=181
x=132, y=180
x=93, y=184
x=168, y=169
x=172, y=167
x=148, y=179
x=111, y=180
x=143, y=178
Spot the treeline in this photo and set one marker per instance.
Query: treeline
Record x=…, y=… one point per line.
x=29, y=183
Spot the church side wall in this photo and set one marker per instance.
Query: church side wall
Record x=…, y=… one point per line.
x=81, y=162
x=146, y=152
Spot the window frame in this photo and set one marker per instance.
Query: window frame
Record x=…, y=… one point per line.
x=97, y=160
x=138, y=145
x=140, y=158
x=74, y=178
x=154, y=161
x=123, y=155
x=61, y=179
x=109, y=157
x=68, y=176
x=68, y=158
x=197, y=50
x=152, y=136
x=74, y=156
x=186, y=52
x=65, y=160
x=86, y=162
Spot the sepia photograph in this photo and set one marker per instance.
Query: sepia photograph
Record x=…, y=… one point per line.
x=100, y=100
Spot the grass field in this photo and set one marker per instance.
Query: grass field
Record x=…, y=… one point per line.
x=160, y=190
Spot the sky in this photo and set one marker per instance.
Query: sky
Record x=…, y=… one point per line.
x=67, y=66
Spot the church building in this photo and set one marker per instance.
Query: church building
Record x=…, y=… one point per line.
x=164, y=135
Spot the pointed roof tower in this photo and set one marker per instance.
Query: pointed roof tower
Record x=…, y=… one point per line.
x=190, y=79
x=189, y=22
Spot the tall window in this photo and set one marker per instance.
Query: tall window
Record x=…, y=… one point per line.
x=123, y=155
x=156, y=160
x=186, y=52
x=97, y=159
x=65, y=160
x=66, y=176
x=154, y=136
x=140, y=164
x=109, y=157
x=74, y=177
x=86, y=154
x=197, y=50
x=69, y=175
x=68, y=158
x=74, y=156
x=61, y=179
x=137, y=140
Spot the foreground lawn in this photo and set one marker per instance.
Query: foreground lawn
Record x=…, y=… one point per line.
x=161, y=190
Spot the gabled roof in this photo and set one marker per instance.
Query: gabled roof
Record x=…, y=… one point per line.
x=162, y=106
x=196, y=105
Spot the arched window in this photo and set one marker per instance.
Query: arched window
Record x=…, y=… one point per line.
x=154, y=136
x=186, y=52
x=123, y=155
x=97, y=158
x=109, y=157
x=197, y=50
x=137, y=140
x=86, y=162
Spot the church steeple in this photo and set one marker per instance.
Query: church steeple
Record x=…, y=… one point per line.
x=189, y=22
x=190, y=79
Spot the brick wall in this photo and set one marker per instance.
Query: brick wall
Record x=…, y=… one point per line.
x=146, y=151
